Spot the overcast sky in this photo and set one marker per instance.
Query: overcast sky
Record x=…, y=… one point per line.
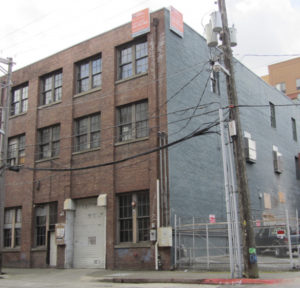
x=33, y=29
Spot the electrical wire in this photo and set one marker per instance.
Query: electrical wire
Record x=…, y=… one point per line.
x=195, y=133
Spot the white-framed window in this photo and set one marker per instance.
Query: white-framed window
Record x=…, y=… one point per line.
x=89, y=74
x=12, y=227
x=132, y=121
x=19, y=100
x=87, y=132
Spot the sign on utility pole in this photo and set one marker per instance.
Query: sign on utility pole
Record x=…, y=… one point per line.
x=3, y=142
x=248, y=242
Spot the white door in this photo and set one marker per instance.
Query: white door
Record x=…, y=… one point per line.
x=89, y=234
x=53, y=250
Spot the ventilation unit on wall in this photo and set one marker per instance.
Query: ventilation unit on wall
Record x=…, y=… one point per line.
x=250, y=150
x=277, y=159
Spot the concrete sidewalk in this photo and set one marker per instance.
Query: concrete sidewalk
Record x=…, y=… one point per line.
x=189, y=277
x=116, y=276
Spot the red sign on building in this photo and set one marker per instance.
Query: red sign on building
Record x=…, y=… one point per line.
x=140, y=23
x=176, y=21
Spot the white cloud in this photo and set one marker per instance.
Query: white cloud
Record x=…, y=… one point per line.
x=39, y=28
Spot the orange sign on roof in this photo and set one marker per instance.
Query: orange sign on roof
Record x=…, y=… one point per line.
x=176, y=21
x=140, y=23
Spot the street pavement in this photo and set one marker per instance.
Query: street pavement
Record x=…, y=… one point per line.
x=89, y=278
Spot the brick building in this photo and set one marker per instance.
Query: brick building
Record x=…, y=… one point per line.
x=75, y=116
x=285, y=76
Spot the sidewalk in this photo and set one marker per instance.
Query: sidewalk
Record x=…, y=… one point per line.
x=189, y=277
x=117, y=276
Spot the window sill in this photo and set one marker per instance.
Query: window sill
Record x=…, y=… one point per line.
x=17, y=115
x=49, y=105
x=40, y=248
x=87, y=92
x=131, y=78
x=9, y=250
x=145, y=244
x=85, y=151
x=131, y=141
x=46, y=159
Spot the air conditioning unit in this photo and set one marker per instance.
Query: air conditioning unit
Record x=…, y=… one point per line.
x=277, y=159
x=250, y=150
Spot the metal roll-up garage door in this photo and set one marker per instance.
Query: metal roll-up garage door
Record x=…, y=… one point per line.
x=89, y=234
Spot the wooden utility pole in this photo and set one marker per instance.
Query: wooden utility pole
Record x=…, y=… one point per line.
x=249, y=256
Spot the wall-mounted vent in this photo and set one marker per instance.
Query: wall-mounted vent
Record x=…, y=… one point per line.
x=277, y=160
x=250, y=150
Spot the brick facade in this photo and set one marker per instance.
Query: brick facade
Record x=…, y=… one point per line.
x=29, y=188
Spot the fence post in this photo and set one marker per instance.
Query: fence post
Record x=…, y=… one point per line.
x=289, y=237
x=207, y=247
x=193, y=240
x=175, y=242
x=297, y=232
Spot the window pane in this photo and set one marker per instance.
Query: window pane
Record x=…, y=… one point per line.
x=141, y=119
x=96, y=66
x=24, y=105
x=58, y=80
x=8, y=216
x=141, y=111
x=55, y=149
x=7, y=238
x=81, y=143
x=45, y=151
x=84, y=70
x=96, y=81
x=16, y=108
x=57, y=94
x=25, y=92
x=125, y=115
x=143, y=216
x=17, y=94
x=82, y=126
x=17, y=237
x=125, y=218
x=48, y=97
x=83, y=85
x=141, y=50
x=142, y=65
x=95, y=139
x=18, y=215
x=45, y=135
x=55, y=133
x=95, y=123
x=126, y=55
x=48, y=83
x=126, y=71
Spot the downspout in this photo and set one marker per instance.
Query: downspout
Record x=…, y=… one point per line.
x=155, y=24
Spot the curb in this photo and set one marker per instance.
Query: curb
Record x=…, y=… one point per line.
x=216, y=281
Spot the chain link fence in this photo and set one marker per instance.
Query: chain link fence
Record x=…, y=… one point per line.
x=202, y=245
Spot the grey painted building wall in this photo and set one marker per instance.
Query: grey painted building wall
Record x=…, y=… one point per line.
x=195, y=166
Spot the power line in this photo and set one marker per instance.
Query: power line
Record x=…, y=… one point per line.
x=195, y=133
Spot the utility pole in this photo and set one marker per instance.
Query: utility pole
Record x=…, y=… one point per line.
x=4, y=102
x=249, y=252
